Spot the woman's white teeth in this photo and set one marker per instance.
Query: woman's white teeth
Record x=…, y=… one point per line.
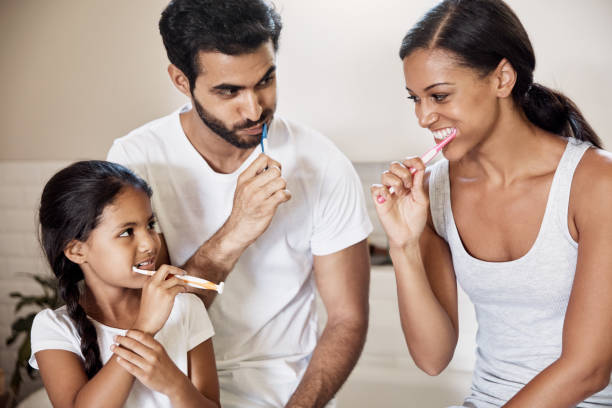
x=443, y=133
x=142, y=264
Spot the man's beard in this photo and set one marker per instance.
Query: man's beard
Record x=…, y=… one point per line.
x=230, y=135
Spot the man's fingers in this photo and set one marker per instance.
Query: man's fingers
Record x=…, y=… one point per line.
x=272, y=173
x=261, y=163
x=273, y=186
x=281, y=196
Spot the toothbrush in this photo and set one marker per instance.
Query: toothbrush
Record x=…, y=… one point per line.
x=191, y=280
x=426, y=158
x=264, y=136
x=431, y=153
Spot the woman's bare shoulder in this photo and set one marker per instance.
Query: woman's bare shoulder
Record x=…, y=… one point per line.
x=592, y=183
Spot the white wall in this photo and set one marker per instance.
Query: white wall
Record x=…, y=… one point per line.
x=77, y=74
x=340, y=70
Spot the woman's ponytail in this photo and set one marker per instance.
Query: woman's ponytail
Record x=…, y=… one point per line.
x=556, y=113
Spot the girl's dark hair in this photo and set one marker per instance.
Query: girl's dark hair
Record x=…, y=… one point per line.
x=231, y=27
x=480, y=33
x=71, y=205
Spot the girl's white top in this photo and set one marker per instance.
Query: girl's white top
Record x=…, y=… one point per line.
x=187, y=326
x=520, y=305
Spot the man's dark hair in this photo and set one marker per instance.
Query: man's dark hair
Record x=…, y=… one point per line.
x=231, y=27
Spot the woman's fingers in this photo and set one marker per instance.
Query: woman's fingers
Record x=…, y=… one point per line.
x=418, y=189
x=380, y=194
x=401, y=179
x=393, y=182
x=413, y=164
x=403, y=173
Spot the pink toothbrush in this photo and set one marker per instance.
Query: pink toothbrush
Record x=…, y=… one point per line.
x=426, y=158
x=431, y=153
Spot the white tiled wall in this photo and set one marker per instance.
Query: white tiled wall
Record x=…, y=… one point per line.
x=20, y=188
x=385, y=374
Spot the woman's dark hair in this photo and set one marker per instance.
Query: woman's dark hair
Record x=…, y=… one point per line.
x=231, y=27
x=71, y=205
x=480, y=33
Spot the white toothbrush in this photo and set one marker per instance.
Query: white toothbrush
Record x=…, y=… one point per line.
x=191, y=280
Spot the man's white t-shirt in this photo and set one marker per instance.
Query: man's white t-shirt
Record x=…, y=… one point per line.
x=265, y=320
x=187, y=326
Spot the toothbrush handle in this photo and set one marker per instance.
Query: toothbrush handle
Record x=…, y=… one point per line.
x=427, y=157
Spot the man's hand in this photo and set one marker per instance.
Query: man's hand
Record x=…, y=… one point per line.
x=259, y=191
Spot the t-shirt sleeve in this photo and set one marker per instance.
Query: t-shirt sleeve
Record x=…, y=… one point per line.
x=53, y=331
x=117, y=154
x=120, y=155
x=340, y=217
x=197, y=322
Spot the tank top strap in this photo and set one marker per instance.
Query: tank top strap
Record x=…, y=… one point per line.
x=561, y=188
x=439, y=196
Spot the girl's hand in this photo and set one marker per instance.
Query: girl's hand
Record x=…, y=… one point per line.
x=157, y=299
x=143, y=357
x=402, y=214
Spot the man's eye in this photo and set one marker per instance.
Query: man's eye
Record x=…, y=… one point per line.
x=152, y=225
x=226, y=92
x=266, y=81
x=127, y=233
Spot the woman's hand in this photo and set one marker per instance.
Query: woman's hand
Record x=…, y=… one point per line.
x=402, y=214
x=143, y=357
x=157, y=299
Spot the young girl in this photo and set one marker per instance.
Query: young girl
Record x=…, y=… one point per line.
x=122, y=339
x=518, y=213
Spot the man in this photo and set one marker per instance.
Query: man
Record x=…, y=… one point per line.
x=225, y=212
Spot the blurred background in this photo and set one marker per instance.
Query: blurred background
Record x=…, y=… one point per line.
x=77, y=74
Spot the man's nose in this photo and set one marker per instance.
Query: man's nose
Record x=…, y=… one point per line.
x=251, y=106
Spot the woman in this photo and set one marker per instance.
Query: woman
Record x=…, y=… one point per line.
x=518, y=213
